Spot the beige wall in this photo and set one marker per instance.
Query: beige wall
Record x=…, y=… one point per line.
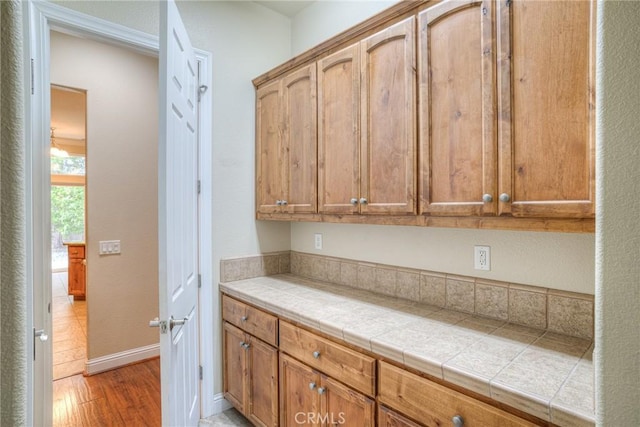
x=122, y=123
x=617, y=351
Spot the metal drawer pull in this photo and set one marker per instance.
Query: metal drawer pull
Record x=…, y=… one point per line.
x=321, y=390
x=316, y=354
x=504, y=197
x=354, y=201
x=457, y=421
x=244, y=318
x=487, y=198
x=312, y=386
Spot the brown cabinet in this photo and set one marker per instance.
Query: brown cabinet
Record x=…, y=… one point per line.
x=311, y=398
x=250, y=369
x=77, y=271
x=366, y=135
x=436, y=405
x=389, y=418
x=286, y=144
x=536, y=159
x=546, y=105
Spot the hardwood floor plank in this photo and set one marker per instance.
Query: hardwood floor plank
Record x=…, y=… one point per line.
x=129, y=396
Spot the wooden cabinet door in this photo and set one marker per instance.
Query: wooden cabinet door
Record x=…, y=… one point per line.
x=339, y=132
x=300, y=140
x=235, y=367
x=299, y=398
x=458, y=153
x=389, y=418
x=343, y=406
x=76, y=278
x=269, y=155
x=388, y=131
x=262, y=383
x=546, y=108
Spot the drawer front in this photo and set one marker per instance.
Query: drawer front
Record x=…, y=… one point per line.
x=436, y=405
x=349, y=366
x=76, y=251
x=252, y=320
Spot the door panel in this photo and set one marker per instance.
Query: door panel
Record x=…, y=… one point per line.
x=300, y=402
x=263, y=383
x=343, y=406
x=235, y=366
x=270, y=165
x=178, y=221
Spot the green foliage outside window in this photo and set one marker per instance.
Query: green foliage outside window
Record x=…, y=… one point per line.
x=67, y=211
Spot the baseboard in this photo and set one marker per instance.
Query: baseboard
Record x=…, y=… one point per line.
x=124, y=358
x=220, y=404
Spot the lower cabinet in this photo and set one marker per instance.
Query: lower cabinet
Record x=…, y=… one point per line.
x=251, y=376
x=389, y=418
x=312, y=399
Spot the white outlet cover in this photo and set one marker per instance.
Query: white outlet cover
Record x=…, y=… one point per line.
x=317, y=241
x=482, y=258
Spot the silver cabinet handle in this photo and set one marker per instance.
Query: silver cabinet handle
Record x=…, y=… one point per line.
x=363, y=201
x=246, y=346
x=504, y=197
x=321, y=390
x=244, y=318
x=487, y=198
x=354, y=201
x=278, y=202
x=457, y=421
x=312, y=386
x=284, y=203
x=316, y=354
x=242, y=343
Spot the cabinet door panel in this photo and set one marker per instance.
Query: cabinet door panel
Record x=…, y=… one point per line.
x=389, y=418
x=300, y=140
x=388, y=132
x=299, y=403
x=269, y=163
x=263, y=384
x=547, y=161
x=235, y=367
x=77, y=278
x=457, y=108
x=338, y=131
x=343, y=406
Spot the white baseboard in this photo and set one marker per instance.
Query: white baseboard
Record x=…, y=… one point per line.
x=117, y=360
x=220, y=404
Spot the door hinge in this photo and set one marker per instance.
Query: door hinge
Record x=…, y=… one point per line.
x=199, y=187
x=32, y=79
x=199, y=281
x=201, y=90
x=201, y=373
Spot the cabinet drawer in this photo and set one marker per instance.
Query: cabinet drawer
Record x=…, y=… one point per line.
x=251, y=320
x=434, y=404
x=352, y=368
x=76, y=251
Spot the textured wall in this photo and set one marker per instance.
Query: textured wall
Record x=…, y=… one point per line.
x=617, y=354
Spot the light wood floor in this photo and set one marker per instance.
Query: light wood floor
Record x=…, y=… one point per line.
x=128, y=396
x=69, y=330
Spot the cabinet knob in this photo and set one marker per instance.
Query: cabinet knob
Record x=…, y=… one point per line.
x=278, y=202
x=504, y=197
x=284, y=203
x=243, y=318
x=242, y=343
x=312, y=385
x=354, y=201
x=457, y=421
x=363, y=201
x=487, y=198
x=246, y=346
x=321, y=390
x=316, y=354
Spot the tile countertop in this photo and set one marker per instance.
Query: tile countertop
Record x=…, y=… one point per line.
x=542, y=373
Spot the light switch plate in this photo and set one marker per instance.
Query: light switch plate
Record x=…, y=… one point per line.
x=109, y=247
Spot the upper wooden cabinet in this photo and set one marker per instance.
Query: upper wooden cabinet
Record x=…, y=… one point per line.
x=458, y=152
x=367, y=137
x=286, y=173
x=538, y=161
x=482, y=116
x=388, y=131
x=546, y=107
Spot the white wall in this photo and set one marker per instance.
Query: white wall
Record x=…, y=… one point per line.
x=554, y=260
x=617, y=351
x=122, y=202
x=326, y=18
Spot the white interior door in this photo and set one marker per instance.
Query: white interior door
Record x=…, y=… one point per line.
x=178, y=222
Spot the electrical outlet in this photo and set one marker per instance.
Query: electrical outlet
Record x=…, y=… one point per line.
x=482, y=258
x=318, y=241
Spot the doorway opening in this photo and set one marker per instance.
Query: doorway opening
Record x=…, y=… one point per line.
x=68, y=151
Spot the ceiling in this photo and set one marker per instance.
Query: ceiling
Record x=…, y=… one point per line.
x=68, y=117
x=286, y=8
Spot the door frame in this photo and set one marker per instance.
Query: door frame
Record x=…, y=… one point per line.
x=40, y=17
